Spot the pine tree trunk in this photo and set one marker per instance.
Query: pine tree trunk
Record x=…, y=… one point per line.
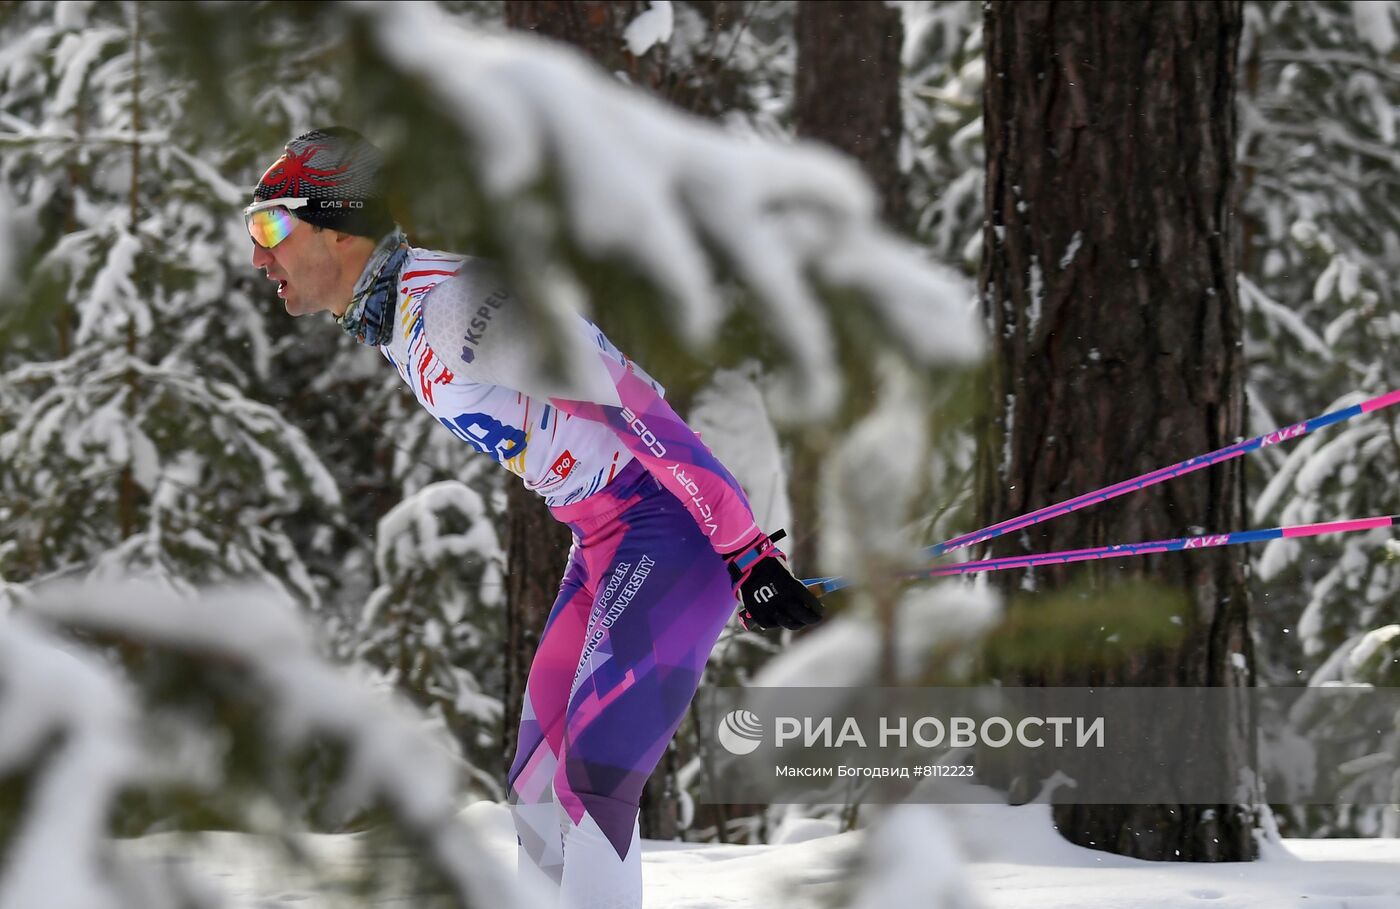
x=593, y=26
x=1109, y=289
x=847, y=95
x=848, y=73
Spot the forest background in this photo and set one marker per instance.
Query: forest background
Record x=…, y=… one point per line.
x=161, y=417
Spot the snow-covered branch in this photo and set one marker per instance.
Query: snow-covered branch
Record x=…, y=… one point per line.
x=255, y=635
x=659, y=189
x=71, y=710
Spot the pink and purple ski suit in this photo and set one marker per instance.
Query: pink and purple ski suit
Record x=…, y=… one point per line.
x=646, y=591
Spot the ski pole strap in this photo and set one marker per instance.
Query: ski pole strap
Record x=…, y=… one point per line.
x=822, y=586
x=1152, y=478
x=742, y=561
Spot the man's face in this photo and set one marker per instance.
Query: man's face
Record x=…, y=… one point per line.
x=306, y=269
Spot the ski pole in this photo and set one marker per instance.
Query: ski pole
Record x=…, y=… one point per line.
x=822, y=586
x=1288, y=433
x=1152, y=478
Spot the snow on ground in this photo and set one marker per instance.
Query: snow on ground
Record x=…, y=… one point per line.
x=1014, y=861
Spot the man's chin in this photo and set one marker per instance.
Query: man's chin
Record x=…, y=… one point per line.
x=300, y=306
x=296, y=307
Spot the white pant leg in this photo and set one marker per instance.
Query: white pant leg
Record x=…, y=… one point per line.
x=539, y=831
x=594, y=876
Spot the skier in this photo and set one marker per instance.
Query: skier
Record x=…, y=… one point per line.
x=664, y=539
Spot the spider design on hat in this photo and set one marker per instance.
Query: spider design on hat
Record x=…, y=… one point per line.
x=285, y=176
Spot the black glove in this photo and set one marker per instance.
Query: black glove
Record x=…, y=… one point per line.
x=769, y=595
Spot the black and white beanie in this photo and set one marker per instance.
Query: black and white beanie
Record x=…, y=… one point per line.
x=340, y=173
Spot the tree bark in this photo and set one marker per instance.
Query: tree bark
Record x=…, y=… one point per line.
x=847, y=95
x=712, y=84
x=848, y=73
x=595, y=27
x=1108, y=285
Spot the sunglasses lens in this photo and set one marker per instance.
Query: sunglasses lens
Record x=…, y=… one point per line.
x=270, y=226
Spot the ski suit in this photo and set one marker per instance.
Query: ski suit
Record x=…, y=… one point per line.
x=646, y=591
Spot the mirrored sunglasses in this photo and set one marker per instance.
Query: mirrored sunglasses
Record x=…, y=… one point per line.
x=271, y=221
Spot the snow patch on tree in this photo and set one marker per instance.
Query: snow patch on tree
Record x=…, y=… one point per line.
x=1375, y=22
x=652, y=27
